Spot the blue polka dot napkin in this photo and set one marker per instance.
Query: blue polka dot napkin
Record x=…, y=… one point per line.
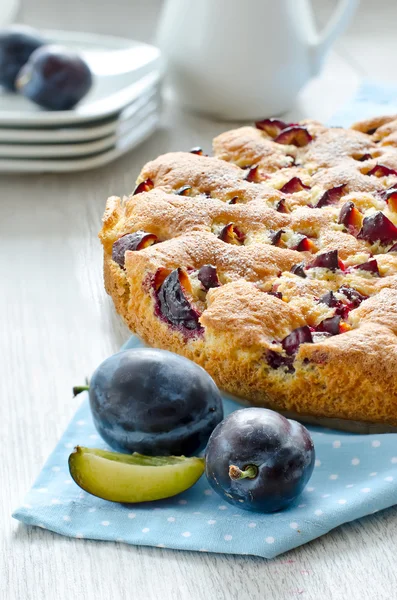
x=354, y=475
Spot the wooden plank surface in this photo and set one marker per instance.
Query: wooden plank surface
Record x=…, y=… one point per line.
x=57, y=324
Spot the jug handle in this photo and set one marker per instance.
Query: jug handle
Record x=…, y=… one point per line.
x=337, y=24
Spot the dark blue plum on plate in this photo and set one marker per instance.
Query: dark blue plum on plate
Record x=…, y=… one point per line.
x=17, y=43
x=55, y=78
x=258, y=460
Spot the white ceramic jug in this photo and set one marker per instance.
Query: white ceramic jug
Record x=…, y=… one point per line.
x=8, y=10
x=244, y=59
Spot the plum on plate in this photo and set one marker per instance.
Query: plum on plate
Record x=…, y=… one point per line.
x=16, y=45
x=258, y=460
x=133, y=478
x=55, y=78
x=154, y=402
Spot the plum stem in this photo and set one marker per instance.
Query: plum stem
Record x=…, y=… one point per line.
x=80, y=388
x=250, y=472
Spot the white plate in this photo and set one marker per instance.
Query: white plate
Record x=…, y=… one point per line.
x=80, y=148
x=78, y=133
x=124, y=143
x=138, y=68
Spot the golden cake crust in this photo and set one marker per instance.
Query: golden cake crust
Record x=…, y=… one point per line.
x=245, y=212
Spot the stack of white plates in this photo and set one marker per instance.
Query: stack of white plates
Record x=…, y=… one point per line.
x=120, y=111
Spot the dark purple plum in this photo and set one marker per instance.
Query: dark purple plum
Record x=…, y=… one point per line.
x=173, y=304
x=281, y=206
x=331, y=196
x=275, y=236
x=276, y=360
x=144, y=186
x=378, y=227
x=258, y=460
x=154, y=402
x=330, y=325
x=231, y=234
x=303, y=244
x=299, y=270
x=371, y=266
x=350, y=217
x=276, y=294
x=294, y=135
x=294, y=185
x=390, y=196
x=353, y=295
x=252, y=174
x=131, y=241
x=382, y=171
x=208, y=277
x=17, y=43
x=329, y=299
x=272, y=126
x=293, y=340
x=327, y=260
x=55, y=78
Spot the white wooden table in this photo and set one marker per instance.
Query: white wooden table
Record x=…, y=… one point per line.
x=57, y=324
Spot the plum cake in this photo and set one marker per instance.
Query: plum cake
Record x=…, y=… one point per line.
x=272, y=264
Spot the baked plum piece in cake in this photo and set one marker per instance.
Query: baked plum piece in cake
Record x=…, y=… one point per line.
x=273, y=264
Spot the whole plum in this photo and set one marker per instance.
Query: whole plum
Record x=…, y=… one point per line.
x=55, y=78
x=258, y=460
x=154, y=402
x=16, y=45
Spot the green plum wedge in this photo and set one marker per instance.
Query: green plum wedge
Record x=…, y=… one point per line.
x=134, y=477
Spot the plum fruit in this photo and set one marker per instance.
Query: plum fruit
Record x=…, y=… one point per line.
x=381, y=171
x=303, y=244
x=275, y=236
x=17, y=43
x=327, y=260
x=370, y=265
x=252, y=174
x=131, y=241
x=144, y=186
x=353, y=295
x=55, y=78
x=154, y=402
x=173, y=304
x=390, y=196
x=331, y=196
x=350, y=217
x=232, y=235
x=330, y=325
x=208, y=277
x=133, y=477
x=294, y=185
x=272, y=126
x=294, y=135
x=290, y=345
x=281, y=207
x=258, y=460
x=378, y=227
x=298, y=336
x=299, y=270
